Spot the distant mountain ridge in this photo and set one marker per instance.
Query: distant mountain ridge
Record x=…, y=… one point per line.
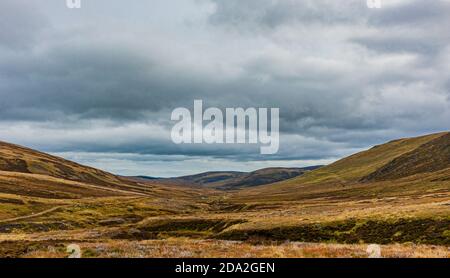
x=230, y=180
x=414, y=163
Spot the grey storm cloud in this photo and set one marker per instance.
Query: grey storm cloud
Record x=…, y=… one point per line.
x=414, y=12
x=21, y=24
x=95, y=81
x=273, y=13
x=104, y=79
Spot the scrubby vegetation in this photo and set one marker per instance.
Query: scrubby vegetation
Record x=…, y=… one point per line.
x=420, y=231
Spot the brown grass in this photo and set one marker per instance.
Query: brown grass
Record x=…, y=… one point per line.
x=187, y=248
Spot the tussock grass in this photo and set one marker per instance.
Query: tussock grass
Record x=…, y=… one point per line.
x=187, y=248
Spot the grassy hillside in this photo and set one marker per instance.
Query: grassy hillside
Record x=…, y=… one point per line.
x=27, y=172
x=14, y=158
x=354, y=167
x=429, y=157
x=344, y=176
x=50, y=187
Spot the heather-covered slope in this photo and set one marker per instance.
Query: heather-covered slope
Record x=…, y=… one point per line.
x=27, y=172
x=388, y=162
x=14, y=158
x=427, y=158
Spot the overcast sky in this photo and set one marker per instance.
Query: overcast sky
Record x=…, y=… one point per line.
x=98, y=84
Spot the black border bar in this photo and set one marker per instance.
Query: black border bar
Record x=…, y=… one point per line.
x=147, y=267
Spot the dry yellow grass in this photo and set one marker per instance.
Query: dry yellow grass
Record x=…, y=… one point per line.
x=188, y=248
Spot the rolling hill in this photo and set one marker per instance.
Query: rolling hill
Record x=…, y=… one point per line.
x=427, y=158
x=14, y=158
x=28, y=172
x=416, y=163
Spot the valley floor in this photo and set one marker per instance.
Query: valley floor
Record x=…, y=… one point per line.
x=212, y=226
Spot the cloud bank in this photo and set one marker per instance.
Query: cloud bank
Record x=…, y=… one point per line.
x=104, y=79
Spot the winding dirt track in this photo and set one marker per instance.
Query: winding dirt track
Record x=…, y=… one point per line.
x=31, y=215
x=49, y=211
